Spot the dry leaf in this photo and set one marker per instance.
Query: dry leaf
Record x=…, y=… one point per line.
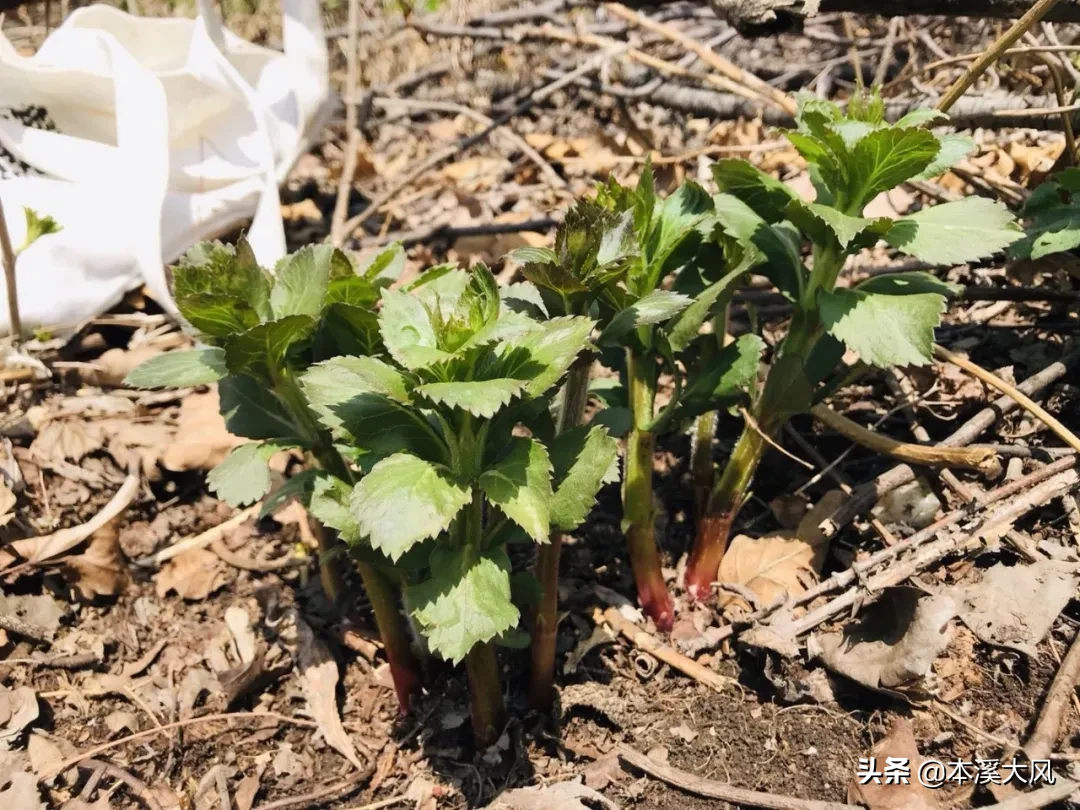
x=120, y=721
x=18, y=709
x=898, y=743
x=201, y=441
x=7, y=504
x=779, y=563
x=237, y=681
x=894, y=643
x=193, y=575
x=38, y=610
x=44, y=754
x=113, y=366
x=20, y=790
x=65, y=439
x=305, y=209
x=245, y=792
x=1015, y=606
x=557, y=796
x=319, y=674
x=422, y=793
x=101, y=570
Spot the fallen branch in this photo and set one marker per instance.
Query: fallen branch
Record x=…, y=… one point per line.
x=983, y=459
x=199, y=540
x=1055, y=707
x=712, y=789
x=7, y=256
x=1061, y=790
x=670, y=656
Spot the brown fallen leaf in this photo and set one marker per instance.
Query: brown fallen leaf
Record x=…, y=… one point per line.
x=65, y=439
x=895, y=642
x=113, y=365
x=899, y=743
x=18, y=709
x=193, y=575
x=779, y=563
x=557, y=796
x=21, y=791
x=319, y=676
x=201, y=441
x=44, y=754
x=7, y=504
x=101, y=570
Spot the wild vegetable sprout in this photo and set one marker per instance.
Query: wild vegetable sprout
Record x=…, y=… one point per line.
x=887, y=320
x=264, y=330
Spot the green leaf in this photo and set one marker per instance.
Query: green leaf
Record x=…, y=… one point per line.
x=251, y=410
x=543, y=355
x=676, y=218
x=298, y=487
x=925, y=115
x=908, y=284
x=886, y=158
x=794, y=392
x=824, y=163
x=179, y=369
x=844, y=228
x=533, y=255
x=302, y=280
x=345, y=329
x=885, y=330
x=330, y=499
x=520, y=485
x=766, y=195
x=405, y=500
x=407, y=331
x=682, y=330
x=466, y=602
x=265, y=347
x=483, y=398
x=387, y=264
x=221, y=290
x=583, y=460
x=37, y=226
x=783, y=265
x=724, y=378
x=956, y=232
x=366, y=402
x=1054, y=215
x=953, y=149
x=526, y=297
x=244, y=476
x=656, y=307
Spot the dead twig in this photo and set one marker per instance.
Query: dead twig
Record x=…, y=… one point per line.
x=201, y=540
x=13, y=624
x=994, y=52
x=139, y=787
x=316, y=796
x=1062, y=789
x=72, y=662
x=674, y=659
x=708, y=56
x=7, y=254
x=983, y=459
x=230, y=557
x=1013, y=393
x=712, y=789
x=352, y=128
x=1056, y=705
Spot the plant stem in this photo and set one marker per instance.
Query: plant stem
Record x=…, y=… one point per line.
x=404, y=668
x=545, y=620
x=487, y=706
x=8, y=256
x=481, y=664
x=638, y=495
x=994, y=52
x=702, y=469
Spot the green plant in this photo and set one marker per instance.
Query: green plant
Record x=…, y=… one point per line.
x=887, y=320
x=263, y=331
x=1053, y=215
x=37, y=226
x=463, y=459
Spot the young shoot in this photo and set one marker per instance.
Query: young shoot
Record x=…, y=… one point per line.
x=261, y=331
x=888, y=319
x=454, y=429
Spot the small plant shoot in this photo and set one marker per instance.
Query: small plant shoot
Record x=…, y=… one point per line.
x=853, y=156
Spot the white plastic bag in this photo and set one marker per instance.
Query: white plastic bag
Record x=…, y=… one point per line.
x=168, y=132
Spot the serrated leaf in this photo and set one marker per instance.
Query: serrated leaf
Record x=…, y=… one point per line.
x=810, y=217
x=244, y=476
x=956, y=232
x=179, y=369
x=366, y=402
x=37, y=226
x=953, y=149
x=908, y=284
x=404, y=500
x=723, y=378
x=783, y=265
x=583, y=460
x=766, y=195
x=925, y=115
x=533, y=255
x=265, y=346
x=483, y=398
x=682, y=330
x=520, y=485
x=345, y=329
x=885, y=330
x=1054, y=218
x=676, y=218
x=387, y=264
x=792, y=395
x=544, y=354
x=886, y=158
x=407, y=331
x=301, y=281
x=252, y=411
x=656, y=307
x=824, y=164
x=466, y=602
x=526, y=297
x=220, y=289
x=330, y=505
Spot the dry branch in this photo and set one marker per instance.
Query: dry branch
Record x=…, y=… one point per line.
x=1056, y=705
